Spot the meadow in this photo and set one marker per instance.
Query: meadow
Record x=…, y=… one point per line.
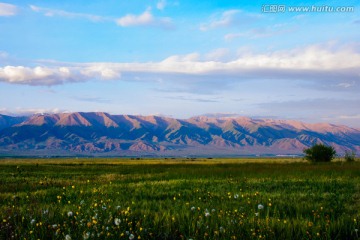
x=178, y=199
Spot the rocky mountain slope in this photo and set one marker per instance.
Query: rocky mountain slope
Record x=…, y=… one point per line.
x=124, y=135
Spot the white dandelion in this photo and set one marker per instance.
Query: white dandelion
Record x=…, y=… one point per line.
x=70, y=214
x=67, y=237
x=192, y=208
x=260, y=206
x=86, y=236
x=131, y=236
x=117, y=221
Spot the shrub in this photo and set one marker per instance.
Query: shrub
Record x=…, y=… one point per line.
x=320, y=153
x=350, y=156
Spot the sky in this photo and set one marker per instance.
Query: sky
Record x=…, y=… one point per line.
x=182, y=58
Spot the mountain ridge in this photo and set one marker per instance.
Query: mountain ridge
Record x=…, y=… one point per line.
x=124, y=135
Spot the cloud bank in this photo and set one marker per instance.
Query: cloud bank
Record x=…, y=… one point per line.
x=317, y=62
x=48, y=76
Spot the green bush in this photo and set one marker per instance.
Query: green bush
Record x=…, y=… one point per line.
x=320, y=153
x=350, y=156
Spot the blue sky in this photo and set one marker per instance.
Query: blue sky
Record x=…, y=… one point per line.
x=182, y=58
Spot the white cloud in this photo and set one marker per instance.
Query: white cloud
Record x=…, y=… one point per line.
x=7, y=10
x=357, y=116
x=60, y=13
x=92, y=99
x=233, y=17
x=29, y=111
x=191, y=57
x=346, y=84
x=316, y=62
x=161, y=4
x=55, y=75
x=101, y=71
x=144, y=19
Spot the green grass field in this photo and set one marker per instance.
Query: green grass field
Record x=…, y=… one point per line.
x=178, y=199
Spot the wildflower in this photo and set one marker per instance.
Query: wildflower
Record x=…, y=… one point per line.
x=118, y=207
x=192, y=208
x=32, y=221
x=54, y=226
x=117, y=221
x=86, y=236
x=236, y=196
x=131, y=236
x=70, y=214
x=67, y=237
x=260, y=206
x=46, y=211
x=256, y=214
x=207, y=214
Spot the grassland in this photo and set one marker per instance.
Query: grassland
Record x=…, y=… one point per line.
x=178, y=199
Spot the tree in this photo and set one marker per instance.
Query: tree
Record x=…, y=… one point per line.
x=320, y=153
x=350, y=156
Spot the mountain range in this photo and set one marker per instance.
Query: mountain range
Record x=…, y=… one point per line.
x=99, y=133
